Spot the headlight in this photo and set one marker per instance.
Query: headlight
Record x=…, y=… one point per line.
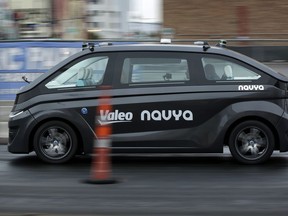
x=14, y=114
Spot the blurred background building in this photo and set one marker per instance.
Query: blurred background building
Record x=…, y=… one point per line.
x=80, y=19
x=7, y=28
x=227, y=18
x=107, y=18
x=32, y=18
x=68, y=19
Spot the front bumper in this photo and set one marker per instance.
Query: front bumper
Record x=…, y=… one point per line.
x=20, y=127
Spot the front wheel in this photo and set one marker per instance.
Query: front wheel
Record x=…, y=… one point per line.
x=251, y=142
x=55, y=142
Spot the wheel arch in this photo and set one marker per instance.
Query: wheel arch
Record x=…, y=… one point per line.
x=255, y=118
x=78, y=134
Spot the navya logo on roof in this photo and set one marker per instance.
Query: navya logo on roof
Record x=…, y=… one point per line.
x=251, y=87
x=108, y=117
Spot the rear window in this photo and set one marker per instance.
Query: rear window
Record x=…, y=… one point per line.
x=220, y=69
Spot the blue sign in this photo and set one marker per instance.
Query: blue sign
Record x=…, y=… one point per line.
x=34, y=56
x=29, y=59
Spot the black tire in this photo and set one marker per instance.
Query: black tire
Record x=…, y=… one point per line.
x=251, y=142
x=55, y=142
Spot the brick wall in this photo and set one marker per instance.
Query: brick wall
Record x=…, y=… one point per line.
x=229, y=18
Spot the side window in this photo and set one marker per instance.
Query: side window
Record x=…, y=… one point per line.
x=88, y=72
x=220, y=69
x=154, y=70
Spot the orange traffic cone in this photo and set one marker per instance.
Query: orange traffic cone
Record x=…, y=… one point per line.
x=101, y=164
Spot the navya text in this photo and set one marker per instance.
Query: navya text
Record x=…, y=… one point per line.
x=250, y=87
x=155, y=115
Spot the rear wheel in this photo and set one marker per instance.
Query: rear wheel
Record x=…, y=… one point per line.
x=251, y=142
x=55, y=142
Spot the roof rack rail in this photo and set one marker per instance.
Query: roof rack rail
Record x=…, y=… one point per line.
x=222, y=43
x=89, y=45
x=105, y=44
x=205, y=44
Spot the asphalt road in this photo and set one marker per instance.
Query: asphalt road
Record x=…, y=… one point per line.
x=196, y=184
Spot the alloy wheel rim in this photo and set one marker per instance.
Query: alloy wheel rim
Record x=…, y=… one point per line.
x=55, y=143
x=251, y=143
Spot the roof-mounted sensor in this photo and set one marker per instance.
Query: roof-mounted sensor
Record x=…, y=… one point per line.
x=165, y=41
x=205, y=44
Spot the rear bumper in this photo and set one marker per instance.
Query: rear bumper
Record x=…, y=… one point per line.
x=282, y=129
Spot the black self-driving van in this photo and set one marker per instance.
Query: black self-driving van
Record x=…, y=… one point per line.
x=165, y=98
